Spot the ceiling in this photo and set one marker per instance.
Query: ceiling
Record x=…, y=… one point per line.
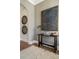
x=35, y=2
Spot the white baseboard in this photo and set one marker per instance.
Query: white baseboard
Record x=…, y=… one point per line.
x=30, y=41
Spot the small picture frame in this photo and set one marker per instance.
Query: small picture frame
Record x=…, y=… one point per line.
x=24, y=29
x=24, y=19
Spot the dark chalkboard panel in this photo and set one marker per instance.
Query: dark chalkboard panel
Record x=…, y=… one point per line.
x=49, y=19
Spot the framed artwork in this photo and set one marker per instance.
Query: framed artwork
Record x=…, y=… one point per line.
x=24, y=29
x=49, y=19
x=24, y=19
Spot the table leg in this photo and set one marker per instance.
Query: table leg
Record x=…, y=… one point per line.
x=55, y=44
x=41, y=40
x=38, y=40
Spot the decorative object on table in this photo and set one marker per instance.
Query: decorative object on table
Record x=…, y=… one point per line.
x=55, y=33
x=24, y=19
x=49, y=19
x=24, y=29
x=39, y=27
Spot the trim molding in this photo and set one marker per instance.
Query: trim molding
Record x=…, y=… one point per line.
x=30, y=41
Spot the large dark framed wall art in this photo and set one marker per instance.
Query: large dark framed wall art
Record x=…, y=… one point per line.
x=49, y=19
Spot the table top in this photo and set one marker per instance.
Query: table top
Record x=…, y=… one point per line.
x=51, y=34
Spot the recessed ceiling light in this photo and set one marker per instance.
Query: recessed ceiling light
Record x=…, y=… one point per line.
x=35, y=2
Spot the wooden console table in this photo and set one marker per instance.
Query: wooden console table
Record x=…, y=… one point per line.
x=40, y=40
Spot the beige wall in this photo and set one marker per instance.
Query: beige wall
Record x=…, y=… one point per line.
x=29, y=12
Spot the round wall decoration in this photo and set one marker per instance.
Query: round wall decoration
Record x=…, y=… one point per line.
x=24, y=29
x=24, y=19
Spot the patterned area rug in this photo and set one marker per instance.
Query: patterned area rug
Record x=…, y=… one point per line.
x=34, y=52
